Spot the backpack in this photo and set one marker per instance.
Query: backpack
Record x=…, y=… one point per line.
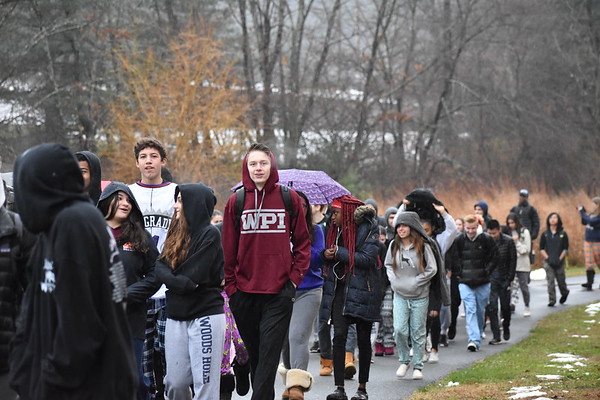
x=240, y=197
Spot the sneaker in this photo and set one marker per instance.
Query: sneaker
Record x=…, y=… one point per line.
x=401, y=371
x=527, y=312
x=563, y=298
x=434, y=357
x=417, y=374
x=462, y=314
x=425, y=356
x=483, y=335
x=551, y=304
x=338, y=394
x=512, y=308
x=495, y=341
x=506, y=335
x=444, y=340
x=315, y=347
x=379, y=349
x=472, y=346
x=361, y=394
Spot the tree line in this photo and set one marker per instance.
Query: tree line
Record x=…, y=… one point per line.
x=379, y=93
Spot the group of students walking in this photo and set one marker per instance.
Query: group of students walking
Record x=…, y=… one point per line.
x=135, y=292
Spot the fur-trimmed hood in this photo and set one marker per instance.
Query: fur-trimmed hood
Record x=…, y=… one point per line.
x=363, y=213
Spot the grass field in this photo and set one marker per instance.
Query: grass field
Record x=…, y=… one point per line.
x=559, y=360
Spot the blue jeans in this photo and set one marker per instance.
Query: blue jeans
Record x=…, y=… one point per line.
x=410, y=317
x=475, y=300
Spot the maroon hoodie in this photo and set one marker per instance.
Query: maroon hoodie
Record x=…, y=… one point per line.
x=258, y=255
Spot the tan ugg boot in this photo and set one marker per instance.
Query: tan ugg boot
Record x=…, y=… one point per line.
x=298, y=382
x=326, y=367
x=282, y=370
x=349, y=367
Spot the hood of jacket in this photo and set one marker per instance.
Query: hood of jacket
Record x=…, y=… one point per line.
x=46, y=179
x=271, y=181
x=198, y=205
x=122, y=187
x=483, y=205
x=411, y=219
x=95, y=187
x=363, y=214
x=421, y=198
x=390, y=210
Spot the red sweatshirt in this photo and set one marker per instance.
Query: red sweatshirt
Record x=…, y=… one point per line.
x=258, y=255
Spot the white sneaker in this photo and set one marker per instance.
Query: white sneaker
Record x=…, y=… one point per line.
x=417, y=374
x=483, y=335
x=425, y=356
x=527, y=312
x=434, y=357
x=401, y=371
x=472, y=346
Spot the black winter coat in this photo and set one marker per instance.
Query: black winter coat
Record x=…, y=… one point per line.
x=14, y=250
x=507, y=259
x=474, y=261
x=364, y=285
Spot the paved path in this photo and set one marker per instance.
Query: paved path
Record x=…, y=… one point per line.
x=383, y=383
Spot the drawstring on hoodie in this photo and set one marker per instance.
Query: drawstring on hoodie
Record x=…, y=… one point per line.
x=258, y=208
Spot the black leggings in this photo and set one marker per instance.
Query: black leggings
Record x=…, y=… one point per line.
x=340, y=333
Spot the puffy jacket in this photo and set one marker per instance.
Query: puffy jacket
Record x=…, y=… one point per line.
x=474, y=260
x=507, y=259
x=363, y=291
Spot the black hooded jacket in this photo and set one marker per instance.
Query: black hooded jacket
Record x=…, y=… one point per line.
x=139, y=266
x=72, y=341
x=194, y=286
x=95, y=187
x=421, y=202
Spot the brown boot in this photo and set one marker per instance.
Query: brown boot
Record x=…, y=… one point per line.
x=326, y=367
x=349, y=367
x=298, y=382
x=296, y=393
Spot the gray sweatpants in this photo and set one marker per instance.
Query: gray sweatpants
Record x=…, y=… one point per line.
x=193, y=350
x=295, y=347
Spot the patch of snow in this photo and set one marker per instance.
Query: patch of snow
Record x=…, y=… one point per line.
x=521, y=389
x=538, y=275
x=549, y=377
x=566, y=366
x=592, y=309
x=565, y=358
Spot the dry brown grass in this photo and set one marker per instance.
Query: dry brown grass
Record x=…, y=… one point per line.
x=460, y=199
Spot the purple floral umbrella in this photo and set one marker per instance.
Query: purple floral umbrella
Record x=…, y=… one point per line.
x=319, y=187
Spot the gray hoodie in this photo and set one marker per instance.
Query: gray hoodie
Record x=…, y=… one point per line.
x=409, y=281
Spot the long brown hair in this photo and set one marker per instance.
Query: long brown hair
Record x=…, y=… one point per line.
x=417, y=241
x=132, y=230
x=177, y=243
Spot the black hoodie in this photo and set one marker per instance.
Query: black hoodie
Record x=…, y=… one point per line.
x=72, y=341
x=194, y=286
x=139, y=266
x=95, y=187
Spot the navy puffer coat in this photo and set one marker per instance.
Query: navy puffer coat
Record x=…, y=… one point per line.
x=363, y=291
